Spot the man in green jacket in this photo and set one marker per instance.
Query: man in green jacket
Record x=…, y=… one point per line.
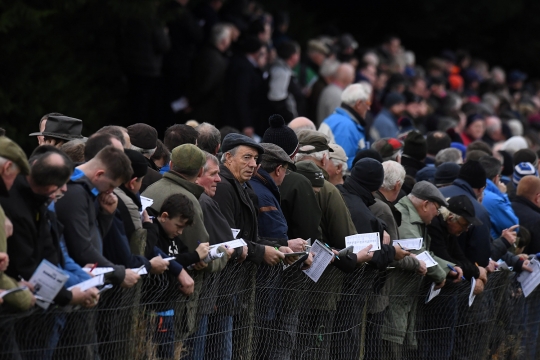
x=417, y=210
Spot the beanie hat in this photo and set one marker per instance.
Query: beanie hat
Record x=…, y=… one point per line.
x=523, y=169
x=427, y=173
x=508, y=163
x=138, y=163
x=473, y=173
x=460, y=147
x=392, y=99
x=472, y=118
x=188, y=157
x=281, y=135
x=143, y=136
x=446, y=173
x=369, y=173
x=367, y=153
x=415, y=146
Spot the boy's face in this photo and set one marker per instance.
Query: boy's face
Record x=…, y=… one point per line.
x=173, y=227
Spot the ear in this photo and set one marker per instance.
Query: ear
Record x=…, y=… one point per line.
x=99, y=173
x=164, y=215
x=217, y=148
x=201, y=171
x=131, y=183
x=339, y=169
x=278, y=170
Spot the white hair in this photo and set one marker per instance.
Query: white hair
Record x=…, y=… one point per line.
x=338, y=162
x=220, y=32
x=329, y=67
x=371, y=58
x=3, y=161
x=211, y=158
x=452, y=155
x=393, y=172
x=409, y=58
x=355, y=92
x=145, y=152
x=232, y=152
x=319, y=155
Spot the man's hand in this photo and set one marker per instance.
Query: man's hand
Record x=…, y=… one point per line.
x=297, y=245
x=131, y=279
x=146, y=217
x=308, y=262
x=187, y=285
x=456, y=274
x=365, y=254
x=527, y=266
x=203, y=250
x=108, y=202
x=87, y=299
x=289, y=259
x=479, y=287
x=523, y=256
x=400, y=253
x=228, y=250
x=27, y=284
x=158, y=265
x=422, y=268
x=502, y=187
x=272, y=256
x=200, y=265
x=483, y=274
x=8, y=227
x=439, y=285
x=386, y=238
x=335, y=253
x=4, y=261
x=492, y=266
x=510, y=235
x=244, y=254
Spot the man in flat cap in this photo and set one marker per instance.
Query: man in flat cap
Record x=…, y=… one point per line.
x=417, y=209
x=12, y=163
x=143, y=139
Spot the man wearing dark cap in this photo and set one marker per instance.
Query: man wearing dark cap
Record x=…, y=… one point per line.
x=312, y=173
x=388, y=148
x=445, y=174
x=295, y=190
x=385, y=124
x=12, y=163
x=435, y=142
x=60, y=129
x=414, y=153
x=239, y=162
x=143, y=139
x=418, y=210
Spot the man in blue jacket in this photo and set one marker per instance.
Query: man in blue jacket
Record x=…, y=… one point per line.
x=346, y=126
x=495, y=201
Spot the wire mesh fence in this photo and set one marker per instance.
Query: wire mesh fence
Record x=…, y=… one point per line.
x=249, y=312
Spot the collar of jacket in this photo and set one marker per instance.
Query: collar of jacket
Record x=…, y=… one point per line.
x=263, y=177
x=151, y=164
x=526, y=202
x=3, y=189
x=491, y=187
x=355, y=188
x=22, y=186
x=175, y=177
x=406, y=160
x=352, y=114
x=395, y=212
x=413, y=214
x=135, y=197
x=465, y=186
x=78, y=177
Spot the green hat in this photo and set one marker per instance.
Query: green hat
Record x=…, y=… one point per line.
x=311, y=141
x=188, y=157
x=13, y=152
x=312, y=172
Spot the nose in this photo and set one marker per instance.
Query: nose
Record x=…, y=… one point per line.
x=252, y=162
x=217, y=179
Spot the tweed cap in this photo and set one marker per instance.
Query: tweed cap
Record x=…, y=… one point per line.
x=13, y=152
x=275, y=153
x=427, y=191
x=188, y=157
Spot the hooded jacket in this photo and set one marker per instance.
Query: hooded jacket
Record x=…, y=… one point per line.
x=499, y=208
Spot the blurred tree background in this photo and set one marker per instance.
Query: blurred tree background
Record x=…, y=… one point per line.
x=63, y=55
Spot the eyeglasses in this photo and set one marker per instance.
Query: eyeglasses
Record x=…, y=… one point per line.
x=465, y=226
x=437, y=206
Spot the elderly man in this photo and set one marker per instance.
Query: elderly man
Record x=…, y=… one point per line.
x=58, y=130
x=418, y=210
x=331, y=95
x=383, y=208
x=144, y=140
x=337, y=166
x=209, y=138
x=346, y=125
x=12, y=163
x=302, y=123
x=239, y=162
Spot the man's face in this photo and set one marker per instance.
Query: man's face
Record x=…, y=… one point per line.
x=104, y=184
x=456, y=227
x=398, y=109
x=429, y=210
x=53, y=192
x=476, y=129
x=173, y=227
x=137, y=185
x=210, y=178
x=362, y=107
x=127, y=140
x=282, y=171
x=242, y=165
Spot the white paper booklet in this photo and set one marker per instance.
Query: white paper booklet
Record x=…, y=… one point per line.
x=360, y=241
x=47, y=280
x=323, y=256
x=426, y=257
x=410, y=244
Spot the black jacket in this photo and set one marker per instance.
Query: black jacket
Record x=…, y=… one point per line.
x=32, y=239
x=151, y=176
x=238, y=209
x=358, y=200
x=215, y=222
x=411, y=165
x=85, y=225
x=529, y=216
x=447, y=247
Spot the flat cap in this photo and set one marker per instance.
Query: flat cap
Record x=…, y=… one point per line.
x=312, y=172
x=337, y=152
x=272, y=152
x=427, y=191
x=143, y=136
x=387, y=147
x=233, y=140
x=311, y=141
x=188, y=157
x=13, y=152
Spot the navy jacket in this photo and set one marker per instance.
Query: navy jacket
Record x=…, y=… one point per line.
x=529, y=217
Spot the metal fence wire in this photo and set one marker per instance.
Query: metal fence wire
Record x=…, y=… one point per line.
x=249, y=312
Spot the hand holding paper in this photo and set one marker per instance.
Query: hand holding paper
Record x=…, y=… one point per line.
x=360, y=241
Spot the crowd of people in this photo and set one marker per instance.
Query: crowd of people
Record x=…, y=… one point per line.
x=282, y=149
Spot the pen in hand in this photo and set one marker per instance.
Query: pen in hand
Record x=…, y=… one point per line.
x=93, y=267
x=328, y=246
x=454, y=270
